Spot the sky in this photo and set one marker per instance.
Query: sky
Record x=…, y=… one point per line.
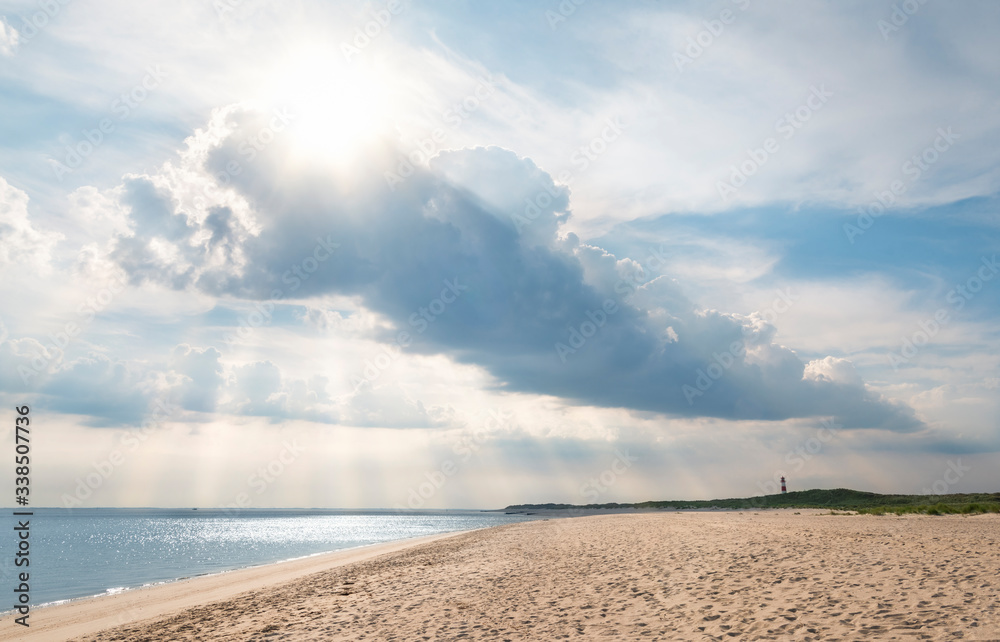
x=465, y=255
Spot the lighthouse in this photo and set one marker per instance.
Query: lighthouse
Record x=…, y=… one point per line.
x=783, y=489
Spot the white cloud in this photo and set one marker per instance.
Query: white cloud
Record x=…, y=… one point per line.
x=701, y=120
x=833, y=369
x=9, y=39
x=23, y=247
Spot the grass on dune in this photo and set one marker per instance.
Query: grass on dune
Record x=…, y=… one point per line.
x=940, y=508
x=843, y=499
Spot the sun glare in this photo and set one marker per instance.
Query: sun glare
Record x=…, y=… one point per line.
x=339, y=108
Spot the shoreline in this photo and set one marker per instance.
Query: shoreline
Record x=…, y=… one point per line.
x=200, y=576
x=76, y=617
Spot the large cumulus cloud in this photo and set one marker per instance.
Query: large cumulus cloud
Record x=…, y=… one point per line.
x=466, y=254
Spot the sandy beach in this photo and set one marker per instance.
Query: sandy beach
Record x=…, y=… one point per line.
x=659, y=576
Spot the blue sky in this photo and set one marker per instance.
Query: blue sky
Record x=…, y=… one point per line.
x=733, y=240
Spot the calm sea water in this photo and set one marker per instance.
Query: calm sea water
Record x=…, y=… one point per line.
x=83, y=552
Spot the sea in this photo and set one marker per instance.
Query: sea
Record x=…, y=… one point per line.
x=83, y=552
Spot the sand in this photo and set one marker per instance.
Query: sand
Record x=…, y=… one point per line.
x=661, y=576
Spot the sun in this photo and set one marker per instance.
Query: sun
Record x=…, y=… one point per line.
x=339, y=109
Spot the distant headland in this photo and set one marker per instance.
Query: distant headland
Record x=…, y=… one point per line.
x=834, y=499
